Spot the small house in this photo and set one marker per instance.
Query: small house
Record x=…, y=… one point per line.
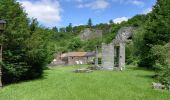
x=72, y=58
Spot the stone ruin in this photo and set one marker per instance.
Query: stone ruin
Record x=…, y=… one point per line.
x=113, y=54
x=89, y=34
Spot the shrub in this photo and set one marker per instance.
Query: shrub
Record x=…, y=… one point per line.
x=161, y=56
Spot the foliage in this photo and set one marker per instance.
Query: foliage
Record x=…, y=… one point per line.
x=161, y=56
x=69, y=28
x=38, y=52
x=130, y=56
x=15, y=34
x=25, y=49
x=137, y=20
x=55, y=29
x=156, y=31
x=75, y=44
x=78, y=29
x=91, y=44
x=89, y=23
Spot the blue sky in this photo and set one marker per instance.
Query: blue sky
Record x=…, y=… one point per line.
x=62, y=12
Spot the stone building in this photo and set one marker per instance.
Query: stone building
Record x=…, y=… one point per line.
x=73, y=58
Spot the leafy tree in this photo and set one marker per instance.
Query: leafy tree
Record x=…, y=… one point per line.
x=26, y=48
x=62, y=29
x=38, y=52
x=75, y=44
x=156, y=31
x=137, y=20
x=15, y=34
x=78, y=29
x=55, y=29
x=69, y=28
x=161, y=56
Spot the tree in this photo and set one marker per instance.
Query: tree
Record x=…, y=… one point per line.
x=78, y=29
x=15, y=34
x=55, y=29
x=90, y=22
x=75, y=44
x=155, y=32
x=62, y=29
x=111, y=21
x=33, y=25
x=26, y=45
x=69, y=28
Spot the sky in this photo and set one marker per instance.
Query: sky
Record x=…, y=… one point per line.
x=60, y=13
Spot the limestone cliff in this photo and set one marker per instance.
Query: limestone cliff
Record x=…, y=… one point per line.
x=88, y=34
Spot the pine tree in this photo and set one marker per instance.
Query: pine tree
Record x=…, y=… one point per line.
x=111, y=21
x=90, y=23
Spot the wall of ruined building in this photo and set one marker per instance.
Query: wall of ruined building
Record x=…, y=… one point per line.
x=107, y=56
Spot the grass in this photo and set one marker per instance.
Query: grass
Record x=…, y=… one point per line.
x=63, y=84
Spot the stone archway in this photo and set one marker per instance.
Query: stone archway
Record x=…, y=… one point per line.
x=113, y=54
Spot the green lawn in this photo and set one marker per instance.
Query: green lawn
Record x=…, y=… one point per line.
x=63, y=84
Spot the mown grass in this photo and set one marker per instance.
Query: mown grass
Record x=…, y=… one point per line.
x=63, y=84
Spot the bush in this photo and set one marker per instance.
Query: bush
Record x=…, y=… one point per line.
x=161, y=56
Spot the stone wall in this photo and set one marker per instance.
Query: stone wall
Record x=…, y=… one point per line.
x=89, y=34
x=107, y=56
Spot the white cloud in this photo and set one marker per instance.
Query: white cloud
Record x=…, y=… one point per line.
x=46, y=11
x=134, y=2
x=121, y=19
x=97, y=4
x=146, y=11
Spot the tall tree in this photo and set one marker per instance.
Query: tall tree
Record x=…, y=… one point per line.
x=62, y=29
x=55, y=29
x=16, y=33
x=90, y=22
x=69, y=28
x=111, y=21
x=26, y=45
x=156, y=32
x=33, y=25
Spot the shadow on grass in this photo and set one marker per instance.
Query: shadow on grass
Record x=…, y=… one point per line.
x=146, y=76
x=42, y=77
x=140, y=68
x=150, y=76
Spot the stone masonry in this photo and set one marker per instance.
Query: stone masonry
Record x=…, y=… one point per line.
x=116, y=49
x=107, y=56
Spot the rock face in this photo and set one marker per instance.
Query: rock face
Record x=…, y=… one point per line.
x=160, y=86
x=89, y=34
